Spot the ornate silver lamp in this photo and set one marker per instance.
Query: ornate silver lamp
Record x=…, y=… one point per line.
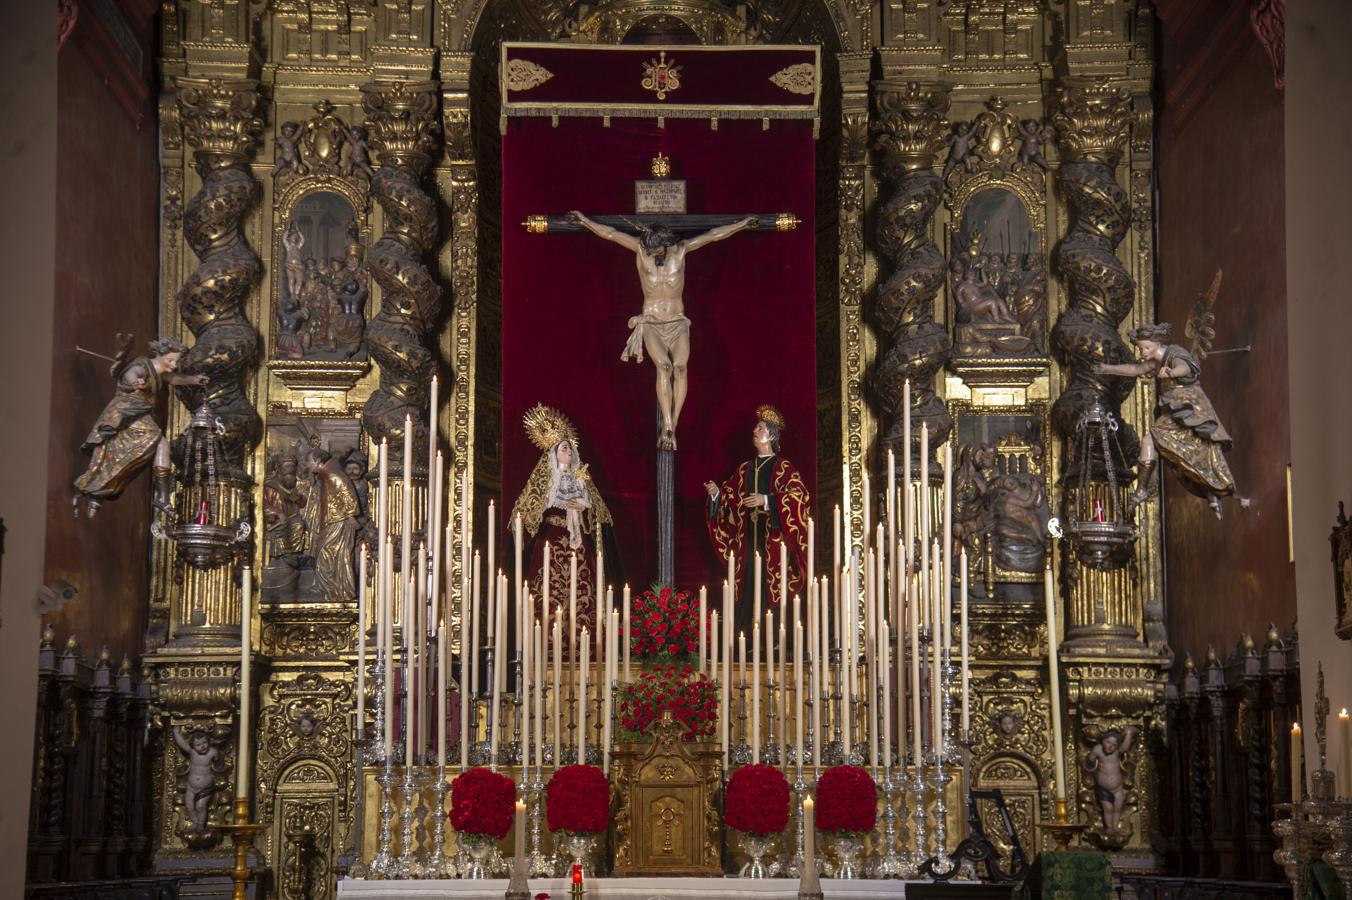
x=1097, y=527
x=206, y=528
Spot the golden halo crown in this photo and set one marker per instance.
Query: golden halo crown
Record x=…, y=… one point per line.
x=546, y=426
x=767, y=413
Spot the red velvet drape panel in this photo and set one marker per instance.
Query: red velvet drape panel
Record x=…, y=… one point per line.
x=567, y=299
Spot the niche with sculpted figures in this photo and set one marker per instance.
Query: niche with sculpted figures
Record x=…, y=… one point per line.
x=324, y=291
x=997, y=279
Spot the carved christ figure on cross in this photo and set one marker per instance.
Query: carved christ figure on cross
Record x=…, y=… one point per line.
x=662, y=329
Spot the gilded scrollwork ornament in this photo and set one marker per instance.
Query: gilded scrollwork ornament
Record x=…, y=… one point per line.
x=909, y=132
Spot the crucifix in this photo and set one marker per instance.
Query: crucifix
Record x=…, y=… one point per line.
x=662, y=329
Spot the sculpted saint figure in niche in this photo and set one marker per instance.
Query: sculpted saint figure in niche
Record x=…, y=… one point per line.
x=333, y=509
x=662, y=329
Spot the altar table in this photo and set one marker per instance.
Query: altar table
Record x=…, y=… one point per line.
x=623, y=889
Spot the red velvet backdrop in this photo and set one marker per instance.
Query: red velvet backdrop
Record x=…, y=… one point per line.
x=567, y=299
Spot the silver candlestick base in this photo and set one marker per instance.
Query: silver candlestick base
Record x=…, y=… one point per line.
x=439, y=865
x=382, y=865
x=941, y=865
x=916, y=783
x=410, y=863
x=890, y=863
x=538, y=863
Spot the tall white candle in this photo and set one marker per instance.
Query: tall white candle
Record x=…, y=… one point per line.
x=491, y=561
x=814, y=680
x=755, y=692
x=406, y=535
x=741, y=659
x=946, y=594
x=558, y=686
x=924, y=524
x=703, y=624
x=387, y=617
x=891, y=545
x=628, y=613
x=582, y=697
x=361, y=642
x=476, y=579
x=1053, y=666
x=441, y=694
x=410, y=695
x=884, y=665
x=540, y=673
x=245, y=686
x=608, y=691
x=756, y=596
x=519, y=581
x=903, y=581
x=798, y=708
x=936, y=679
x=966, y=698
x=914, y=600
x=810, y=884
x=811, y=551
x=715, y=640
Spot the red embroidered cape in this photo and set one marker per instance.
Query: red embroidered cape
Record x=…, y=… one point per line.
x=789, y=502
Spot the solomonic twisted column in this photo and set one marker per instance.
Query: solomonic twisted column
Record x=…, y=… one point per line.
x=1092, y=120
x=910, y=131
x=402, y=122
x=220, y=125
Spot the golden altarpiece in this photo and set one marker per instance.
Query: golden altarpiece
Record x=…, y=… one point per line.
x=984, y=185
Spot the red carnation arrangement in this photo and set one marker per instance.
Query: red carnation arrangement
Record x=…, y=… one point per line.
x=847, y=800
x=578, y=800
x=688, y=694
x=483, y=802
x=664, y=625
x=757, y=800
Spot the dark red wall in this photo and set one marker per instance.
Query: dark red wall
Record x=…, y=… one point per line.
x=106, y=275
x=1221, y=205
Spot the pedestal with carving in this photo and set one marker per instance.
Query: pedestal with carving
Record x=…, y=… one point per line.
x=667, y=820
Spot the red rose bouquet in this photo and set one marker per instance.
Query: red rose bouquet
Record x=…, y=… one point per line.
x=689, y=695
x=483, y=802
x=847, y=800
x=757, y=800
x=578, y=800
x=664, y=624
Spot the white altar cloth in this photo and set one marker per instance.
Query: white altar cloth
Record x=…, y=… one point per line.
x=623, y=889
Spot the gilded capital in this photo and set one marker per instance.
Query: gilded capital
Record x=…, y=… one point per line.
x=219, y=119
x=911, y=123
x=401, y=118
x=1092, y=121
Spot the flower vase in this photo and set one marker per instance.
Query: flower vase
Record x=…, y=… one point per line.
x=479, y=847
x=578, y=846
x=756, y=847
x=847, y=846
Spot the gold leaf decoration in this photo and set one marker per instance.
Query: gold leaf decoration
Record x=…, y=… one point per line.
x=522, y=75
x=800, y=78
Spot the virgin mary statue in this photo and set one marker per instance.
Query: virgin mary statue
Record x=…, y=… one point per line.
x=564, y=519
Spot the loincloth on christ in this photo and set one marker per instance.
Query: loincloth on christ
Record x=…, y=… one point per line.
x=667, y=331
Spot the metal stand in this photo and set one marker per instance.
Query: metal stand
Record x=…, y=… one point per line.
x=382, y=866
x=890, y=864
x=242, y=834
x=539, y=864
x=940, y=866
x=439, y=864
